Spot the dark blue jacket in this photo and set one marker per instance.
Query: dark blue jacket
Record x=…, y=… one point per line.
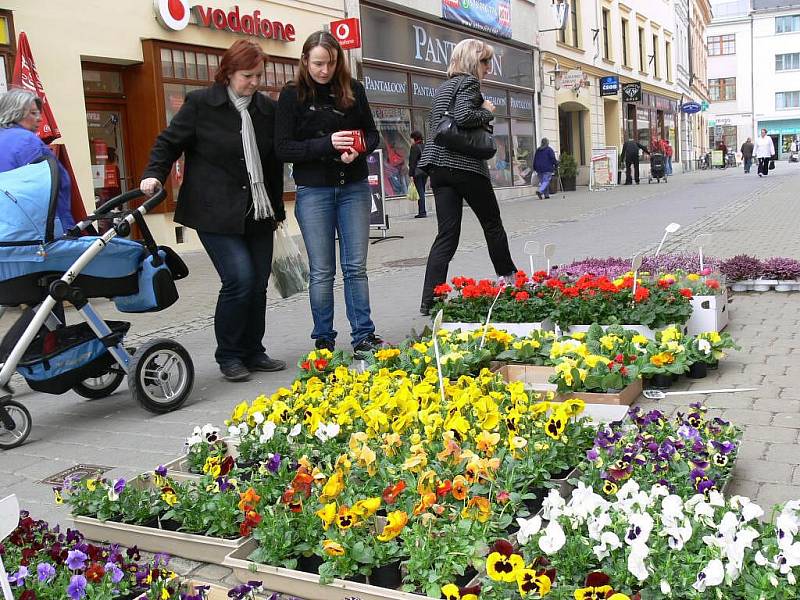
x=544, y=161
x=20, y=147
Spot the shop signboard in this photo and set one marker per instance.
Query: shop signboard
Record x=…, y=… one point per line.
x=603, y=167
x=609, y=86
x=490, y=16
x=347, y=32
x=384, y=86
x=423, y=89
x=178, y=14
x=691, y=107
x=632, y=92
x=400, y=40
x=521, y=105
x=497, y=97
x=377, y=214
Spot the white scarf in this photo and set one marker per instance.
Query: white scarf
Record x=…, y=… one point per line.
x=261, y=205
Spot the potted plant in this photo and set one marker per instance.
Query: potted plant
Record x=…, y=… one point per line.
x=567, y=171
x=740, y=270
x=786, y=272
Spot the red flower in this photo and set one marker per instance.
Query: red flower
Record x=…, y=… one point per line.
x=444, y=488
x=686, y=292
x=391, y=492
x=305, y=365
x=320, y=364
x=95, y=572
x=712, y=283
x=28, y=595
x=503, y=497
x=442, y=289
x=623, y=371
x=521, y=296
x=503, y=547
x=642, y=294
x=619, y=358
x=226, y=465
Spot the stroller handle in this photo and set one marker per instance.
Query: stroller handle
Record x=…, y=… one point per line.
x=151, y=202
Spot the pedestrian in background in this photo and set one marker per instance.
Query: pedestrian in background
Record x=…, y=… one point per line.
x=20, y=116
x=457, y=177
x=545, y=164
x=668, y=154
x=747, y=154
x=419, y=176
x=765, y=149
x=630, y=153
x=232, y=194
x=325, y=128
x=724, y=149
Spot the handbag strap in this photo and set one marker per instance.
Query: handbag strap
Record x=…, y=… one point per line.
x=452, y=106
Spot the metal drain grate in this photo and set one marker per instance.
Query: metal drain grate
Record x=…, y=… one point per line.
x=75, y=473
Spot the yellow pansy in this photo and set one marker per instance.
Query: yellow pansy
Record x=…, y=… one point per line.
x=332, y=488
x=395, y=522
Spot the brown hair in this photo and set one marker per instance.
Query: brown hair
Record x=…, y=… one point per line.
x=243, y=54
x=340, y=81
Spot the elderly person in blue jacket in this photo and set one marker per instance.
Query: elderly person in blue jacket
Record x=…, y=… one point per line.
x=545, y=164
x=20, y=116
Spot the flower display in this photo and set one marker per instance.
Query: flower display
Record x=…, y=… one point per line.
x=689, y=454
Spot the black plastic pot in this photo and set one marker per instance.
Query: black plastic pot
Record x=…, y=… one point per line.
x=469, y=575
x=697, y=370
x=357, y=578
x=660, y=381
x=309, y=564
x=387, y=576
x=713, y=366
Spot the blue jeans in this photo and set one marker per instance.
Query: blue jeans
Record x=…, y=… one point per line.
x=244, y=263
x=544, y=183
x=419, y=182
x=748, y=161
x=668, y=170
x=322, y=212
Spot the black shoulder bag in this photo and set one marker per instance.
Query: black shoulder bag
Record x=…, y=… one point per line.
x=477, y=142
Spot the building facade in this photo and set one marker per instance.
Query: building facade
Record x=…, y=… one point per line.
x=585, y=102
x=776, y=66
x=730, y=74
x=120, y=74
x=404, y=57
x=699, y=19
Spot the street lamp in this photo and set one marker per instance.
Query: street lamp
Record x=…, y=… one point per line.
x=555, y=76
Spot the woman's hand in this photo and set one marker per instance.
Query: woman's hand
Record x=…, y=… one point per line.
x=488, y=105
x=349, y=156
x=342, y=141
x=150, y=186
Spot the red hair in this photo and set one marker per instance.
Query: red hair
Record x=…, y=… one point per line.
x=243, y=54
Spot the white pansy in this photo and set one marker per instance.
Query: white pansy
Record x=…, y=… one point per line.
x=233, y=430
x=678, y=534
x=295, y=431
x=671, y=510
x=243, y=429
x=751, y=511
x=790, y=578
x=553, y=539
x=258, y=417
x=636, y=565
x=791, y=553
x=712, y=575
x=760, y=559
x=629, y=489
x=704, y=346
x=267, y=431
x=659, y=490
x=327, y=432
x=608, y=541
x=639, y=529
x=715, y=498
x=552, y=506
x=598, y=524
x=527, y=528
x=666, y=589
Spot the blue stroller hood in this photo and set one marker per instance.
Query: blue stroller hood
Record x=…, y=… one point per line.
x=28, y=197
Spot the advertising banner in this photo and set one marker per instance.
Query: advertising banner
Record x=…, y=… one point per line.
x=490, y=16
x=377, y=214
x=609, y=86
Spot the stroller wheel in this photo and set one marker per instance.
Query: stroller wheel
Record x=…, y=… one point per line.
x=161, y=375
x=11, y=438
x=100, y=387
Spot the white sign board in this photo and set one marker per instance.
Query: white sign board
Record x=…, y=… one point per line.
x=573, y=78
x=3, y=83
x=603, y=171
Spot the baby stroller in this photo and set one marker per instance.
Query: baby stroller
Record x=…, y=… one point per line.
x=42, y=267
x=657, y=168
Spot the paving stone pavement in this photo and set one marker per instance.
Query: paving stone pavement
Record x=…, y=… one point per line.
x=743, y=214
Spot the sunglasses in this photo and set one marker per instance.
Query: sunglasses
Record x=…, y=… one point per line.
x=486, y=61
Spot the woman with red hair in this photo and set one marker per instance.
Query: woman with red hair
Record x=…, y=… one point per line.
x=232, y=194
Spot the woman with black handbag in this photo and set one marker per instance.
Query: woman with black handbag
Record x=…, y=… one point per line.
x=459, y=142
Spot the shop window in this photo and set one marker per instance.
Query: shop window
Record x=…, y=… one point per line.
x=643, y=127
x=394, y=125
x=500, y=164
x=654, y=57
x=719, y=45
x=787, y=100
x=642, y=53
x=787, y=62
x=625, y=50
x=96, y=81
x=6, y=47
x=668, y=59
x=606, y=34
x=524, y=148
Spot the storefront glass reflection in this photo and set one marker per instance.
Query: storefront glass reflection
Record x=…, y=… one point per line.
x=500, y=165
x=524, y=149
x=394, y=125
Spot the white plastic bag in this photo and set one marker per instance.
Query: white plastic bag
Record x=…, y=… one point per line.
x=289, y=266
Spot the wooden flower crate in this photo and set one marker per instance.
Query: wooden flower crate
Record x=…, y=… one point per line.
x=624, y=397
x=152, y=539
x=306, y=585
x=178, y=469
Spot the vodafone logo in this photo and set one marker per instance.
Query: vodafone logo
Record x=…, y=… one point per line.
x=173, y=14
x=342, y=31
x=347, y=32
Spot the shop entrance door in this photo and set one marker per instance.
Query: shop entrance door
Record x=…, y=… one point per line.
x=106, y=133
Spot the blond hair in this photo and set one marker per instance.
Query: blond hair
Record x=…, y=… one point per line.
x=467, y=55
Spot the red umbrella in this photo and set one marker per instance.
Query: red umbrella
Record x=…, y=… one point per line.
x=26, y=76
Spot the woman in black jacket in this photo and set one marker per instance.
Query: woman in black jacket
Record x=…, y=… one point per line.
x=325, y=128
x=457, y=177
x=232, y=194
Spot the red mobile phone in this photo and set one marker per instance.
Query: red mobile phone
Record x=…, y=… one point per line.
x=359, y=145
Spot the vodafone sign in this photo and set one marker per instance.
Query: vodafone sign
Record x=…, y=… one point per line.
x=177, y=14
x=347, y=32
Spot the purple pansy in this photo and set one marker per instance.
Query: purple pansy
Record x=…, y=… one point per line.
x=161, y=470
x=76, y=560
x=77, y=587
x=18, y=578
x=45, y=571
x=274, y=463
